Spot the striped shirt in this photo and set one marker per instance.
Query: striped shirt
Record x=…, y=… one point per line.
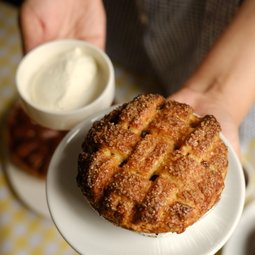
x=165, y=39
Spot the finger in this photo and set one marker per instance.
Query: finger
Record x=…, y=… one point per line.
x=30, y=27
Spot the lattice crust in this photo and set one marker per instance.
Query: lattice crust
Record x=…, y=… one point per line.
x=152, y=165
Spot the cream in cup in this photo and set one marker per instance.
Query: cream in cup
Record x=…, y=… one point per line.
x=62, y=82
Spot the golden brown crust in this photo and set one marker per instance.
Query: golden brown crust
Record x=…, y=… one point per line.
x=30, y=145
x=153, y=166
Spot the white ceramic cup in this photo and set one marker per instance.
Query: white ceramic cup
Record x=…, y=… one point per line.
x=64, y=120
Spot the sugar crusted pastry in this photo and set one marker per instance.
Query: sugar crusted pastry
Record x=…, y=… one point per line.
x=152, y=165
x=30, y=145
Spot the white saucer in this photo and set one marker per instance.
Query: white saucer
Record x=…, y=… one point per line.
x=90, y=234
x=30, y=190
x=243, y=239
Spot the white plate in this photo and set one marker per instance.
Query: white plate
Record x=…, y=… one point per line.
x=30, y=190
x=243, y=239
x=90, y=234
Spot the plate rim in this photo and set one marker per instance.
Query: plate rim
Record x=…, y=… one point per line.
x=16, y=177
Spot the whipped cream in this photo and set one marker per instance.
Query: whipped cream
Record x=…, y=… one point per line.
x=65, y=82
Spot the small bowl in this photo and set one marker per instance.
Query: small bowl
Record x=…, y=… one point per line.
x=102, y=91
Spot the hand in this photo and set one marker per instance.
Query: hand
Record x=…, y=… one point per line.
x=211, y=103
x=47, y=20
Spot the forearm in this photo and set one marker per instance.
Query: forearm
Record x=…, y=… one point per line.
x=229, y=68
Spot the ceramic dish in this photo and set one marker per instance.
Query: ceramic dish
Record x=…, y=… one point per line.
x=29, y=189
x=249, y=173
x=101, y=93
x=243, y=239
x=90, y=234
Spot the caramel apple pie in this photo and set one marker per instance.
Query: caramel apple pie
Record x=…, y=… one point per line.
x=152, y=165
